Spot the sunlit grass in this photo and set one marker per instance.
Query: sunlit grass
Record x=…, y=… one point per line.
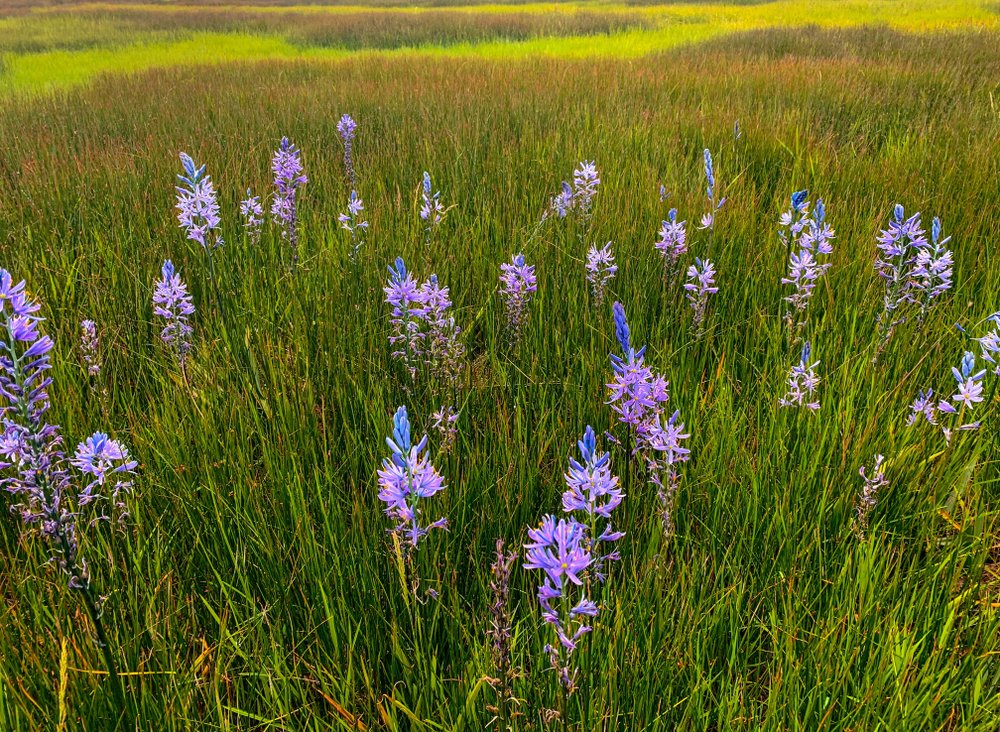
x=63, y=46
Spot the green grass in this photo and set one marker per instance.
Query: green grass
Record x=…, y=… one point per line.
x=254, y=588
x=61, y=45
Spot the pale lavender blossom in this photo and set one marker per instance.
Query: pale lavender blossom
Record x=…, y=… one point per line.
x=714, y=203
x=405, y=297
x=347, y=129
x=172, y=302
x=252, y=212
x=803, y=383
x=874, y=483
x=90, y=347
x=198, y=206
x=286, y=164
x=432, y=211
x=932, y=269
x=807, y=237
x=406, y=480
x=672, y=244
x=444, y=354
x=665, y=451
x=111, y=472
x=559, y=550
x=444, y=422
x=700, y=286
x=517, y=284
x=353, y=221
x=592, y=493
x=578, y=198
x=601, y=268
x=948, y=413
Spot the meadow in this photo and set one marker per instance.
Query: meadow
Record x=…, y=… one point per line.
x=255, y=583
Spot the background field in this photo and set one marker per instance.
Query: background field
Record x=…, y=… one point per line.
x=255, y=589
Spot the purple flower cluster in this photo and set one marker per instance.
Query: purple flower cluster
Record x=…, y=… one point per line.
x=444, y=422
x=672, y=244
x=708, y=220
x=990, y=343
x=578, y=199
x=353, y=221
x=635, y=393
x=915, y=271
x=423, y=329
x=347, y=129
x=560, y=550
x=700, y=285
x=405, y=480
x=969, y=393
x=31, y=448
x=806, y=236
x=432, y=211
x=90, y=347
x=601, y=268
x=802, y=383
x=592, y=493
x=252, y=212
x=868, y=497
x=517, y=284
x=286, y=165
x=109, y=468
x=172, y=302
x=664, y=452
x=197, y=205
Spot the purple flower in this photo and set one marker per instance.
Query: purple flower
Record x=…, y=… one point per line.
x=354, y=222
x=347, y=129
x=31, y=449
x=708, y=219
x=107, y=463
x=90, y=347
x=403, y=294
x=197, y=205
x=432, y=211
x=559, y=550
x=672, y=244
x=601, y=268
x=802, y=383
x=664, y=452
x=868, y=497
x=406, y=479
x=286, y=164
x=806, y=236
x=932, y=269
x=443, y=420
x=585, y=183
x=700, y=285
x=172, y=302
x=593, y=492
x=635, y=393
x=253, y=216
x=517, y=284
x=969, y=393
x=898, y=245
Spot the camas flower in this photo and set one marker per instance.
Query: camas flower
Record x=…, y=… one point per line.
x=403, y=294
x=406, y=480
x=932, y=269
x=559, y=550
x=672, y=244
x=197, y=205
x=577, y=199
x=347, y=129
x=90, y=347
x=708, y=219
x=353, y=221
x=700, y=285
x=969, y=393
x=31, y=448
x=517, y=284
x=592, y=492
x=806, y=236
x=432, y=211
x=601, y=268
x=802, y=383
x=109, y=466
x=664, y=452
x=253, y=216
x=172, y=302
x=286, y=164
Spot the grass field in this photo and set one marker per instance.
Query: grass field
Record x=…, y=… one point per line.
x=254, y=585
